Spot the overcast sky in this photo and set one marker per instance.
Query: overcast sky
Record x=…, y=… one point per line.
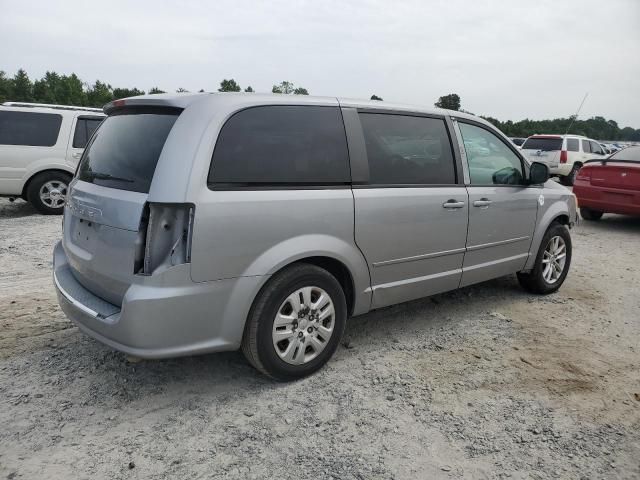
x=509, y=59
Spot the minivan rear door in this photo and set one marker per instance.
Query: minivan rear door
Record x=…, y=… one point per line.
x=103, y=214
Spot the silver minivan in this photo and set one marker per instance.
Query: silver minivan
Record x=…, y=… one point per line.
x=208, y=222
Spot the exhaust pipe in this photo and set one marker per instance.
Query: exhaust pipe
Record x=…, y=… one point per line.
x=12, y=199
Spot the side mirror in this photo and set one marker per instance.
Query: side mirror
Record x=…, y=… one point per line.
x=538, y=173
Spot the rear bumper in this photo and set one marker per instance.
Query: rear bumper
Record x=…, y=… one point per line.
x=608, y=200
x=166, y=316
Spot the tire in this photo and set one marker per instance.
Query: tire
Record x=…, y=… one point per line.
x=536, y=280
x=259, y=343
x=570, y=179
x=589, y=214
x=54, y=183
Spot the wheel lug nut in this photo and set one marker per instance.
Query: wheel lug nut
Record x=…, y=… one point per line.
x=309, y=329
x=300, y=334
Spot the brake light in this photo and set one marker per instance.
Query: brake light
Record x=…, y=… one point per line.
x=563, y=156
x=584, y=174
x=164, y=237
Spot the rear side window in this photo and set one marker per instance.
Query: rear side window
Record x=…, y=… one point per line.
x=124, y=152
x=281, y=146
x=546, y=144
x=586, y=146
x=407, y=150
x=84, y=129
x=572, y=145
x=29, y=128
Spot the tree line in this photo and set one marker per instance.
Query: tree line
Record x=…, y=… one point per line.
x=60, y=89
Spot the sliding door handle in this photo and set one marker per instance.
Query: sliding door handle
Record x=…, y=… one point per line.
x=452, y=204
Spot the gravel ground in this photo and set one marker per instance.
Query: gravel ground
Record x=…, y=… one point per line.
x=485, y=382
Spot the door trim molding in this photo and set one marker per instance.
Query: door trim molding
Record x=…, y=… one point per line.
x=419, y=257
x=495, y=244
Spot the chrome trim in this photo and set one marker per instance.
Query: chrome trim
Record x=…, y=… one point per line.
x=419, y=257
x=495, y=244
x=73, y=301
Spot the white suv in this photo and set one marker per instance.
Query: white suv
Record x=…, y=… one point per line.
x=40, y=146
x=563, y=154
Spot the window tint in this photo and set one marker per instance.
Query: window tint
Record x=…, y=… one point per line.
x=124, y=152
x=546, y=144
x=27, y=128
x=572, y=145
x=490, y=161
x=84, y=129
x=402, y=149
x=282, y=145
x=631, y=154
x=586, y=146
x=596, y=148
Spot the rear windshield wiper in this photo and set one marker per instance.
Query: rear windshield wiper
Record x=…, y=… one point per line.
x=108, y=176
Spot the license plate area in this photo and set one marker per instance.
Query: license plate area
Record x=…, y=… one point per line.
x=84, y=233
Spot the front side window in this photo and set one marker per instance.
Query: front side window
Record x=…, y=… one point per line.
x=572, y=145
x=124, y=152
x=407, y=150
x=596, y=148
x=29, y=128
x=490, y=160
x=586, y=146
x=281, y=146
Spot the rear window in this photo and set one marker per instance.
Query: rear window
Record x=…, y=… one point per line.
x=629, y=154
x=281, y=146
x=29, y=128
x=546, y=144
x=124, y=151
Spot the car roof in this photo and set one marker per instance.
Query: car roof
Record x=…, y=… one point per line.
x=557, y=135
x=229, y=99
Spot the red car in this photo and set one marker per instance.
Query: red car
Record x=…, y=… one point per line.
x=611, y=185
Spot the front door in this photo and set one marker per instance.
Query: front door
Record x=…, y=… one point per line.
x=502, y=208
x=410, y=213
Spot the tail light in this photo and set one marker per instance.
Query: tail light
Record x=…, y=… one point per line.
x=164, y=237
x=563, y=156
x=584, y=174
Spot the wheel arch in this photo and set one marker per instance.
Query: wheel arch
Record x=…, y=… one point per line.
x=34, y=174
x=556, y=213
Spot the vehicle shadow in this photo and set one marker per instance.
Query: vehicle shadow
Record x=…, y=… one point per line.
x=609, y=222
x=17, y=209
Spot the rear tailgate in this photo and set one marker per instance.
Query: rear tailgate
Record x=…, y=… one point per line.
x=543, y=148
x=102, y=237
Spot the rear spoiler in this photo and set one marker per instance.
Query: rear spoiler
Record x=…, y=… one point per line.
x=177, y=101
x=609, y=159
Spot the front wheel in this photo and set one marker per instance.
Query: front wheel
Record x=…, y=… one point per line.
x=295, y=323
x=552, y=262
x=589, y=214
x=47, y=192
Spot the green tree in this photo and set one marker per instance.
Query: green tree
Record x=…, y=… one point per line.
x=156, y=90
x=126, y=92
x=99, y=94
x=284, y=87
x=450, y=102
x=376, y=97
x=182, y=90
x=300, y=91
x=5, y=87
x=229, y=86
x=22, y=88
x=249, y=89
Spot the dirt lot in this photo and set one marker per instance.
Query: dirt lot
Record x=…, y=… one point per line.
x=486, y=382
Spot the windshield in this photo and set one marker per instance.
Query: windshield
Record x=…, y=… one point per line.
x=629, y=154
x=124, y=151
x=547, y=144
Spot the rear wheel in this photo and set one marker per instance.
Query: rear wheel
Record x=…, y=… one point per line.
x=295, y=323
x=47, y=192
x=552, y=262
x=589, y=214
x=570, y=179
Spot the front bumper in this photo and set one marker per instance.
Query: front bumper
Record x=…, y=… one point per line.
x=163, y=316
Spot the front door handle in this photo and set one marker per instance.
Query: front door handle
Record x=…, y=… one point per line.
x=452, y=204
x=483, y=202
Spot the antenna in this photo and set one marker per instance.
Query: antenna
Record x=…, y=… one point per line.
x=573, y=119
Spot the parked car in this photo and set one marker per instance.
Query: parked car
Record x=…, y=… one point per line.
x=517, y=141
x=610, y=186
x=563, y=154
x=40, y=146
x=208, y=222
